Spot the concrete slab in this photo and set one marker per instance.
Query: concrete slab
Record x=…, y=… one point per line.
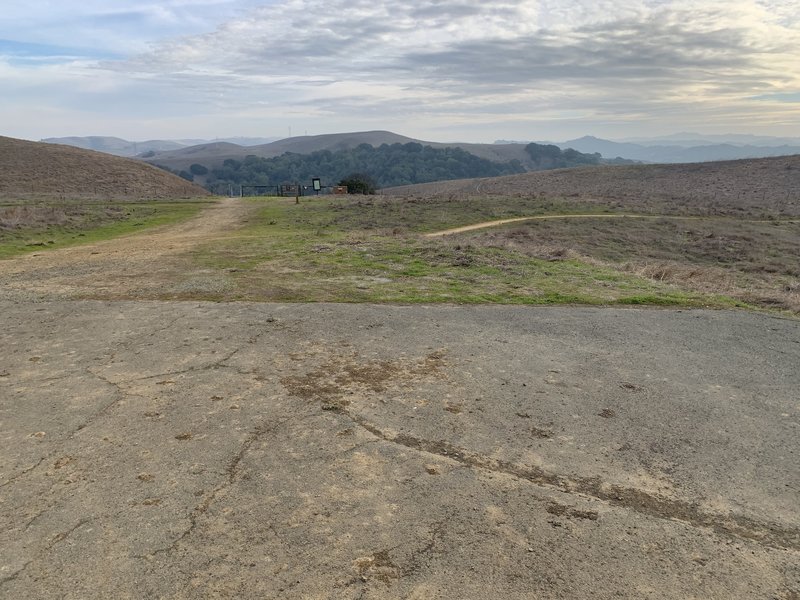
x=193, y=450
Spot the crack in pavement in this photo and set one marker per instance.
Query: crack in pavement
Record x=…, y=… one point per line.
x=24, y=472
x=231, y=472
x=379, y=566
x=436, y=533
x=217, y=364
x=119, y=395
x=766, y=534
x=57, y=539
x=38, y=516
x=168, y=325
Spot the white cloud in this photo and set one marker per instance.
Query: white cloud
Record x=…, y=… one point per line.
x=463, y=64
x=118, y=27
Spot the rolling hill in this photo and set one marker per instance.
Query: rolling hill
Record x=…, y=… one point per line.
x=685, y=151
x=119, y=147
x=214, y=155
x=35, y=170
x=764, y=185
x=115, y=145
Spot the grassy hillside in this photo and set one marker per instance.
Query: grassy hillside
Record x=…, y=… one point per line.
x=376, y=249
x=372, y=249
x=214, y=155
x=30, y=227
x=716, y=235
x=52, y=196
x=386, y=165
x=759, y=187
x=37, y=170
x=730, y=228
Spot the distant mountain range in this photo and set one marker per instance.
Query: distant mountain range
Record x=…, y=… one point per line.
x=177, y=156
x=215, y=154
x=685, y=147
x=678, y=148
x=119, y=147
x=690, y=139
x=389, y=158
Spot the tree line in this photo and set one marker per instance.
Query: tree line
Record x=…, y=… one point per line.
x=387, y=165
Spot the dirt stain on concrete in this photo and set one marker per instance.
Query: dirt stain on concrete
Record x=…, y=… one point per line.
x=341, y=376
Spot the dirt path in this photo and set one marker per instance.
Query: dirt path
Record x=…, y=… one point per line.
x=497, y=223
x=133, y=265
x=487, y=224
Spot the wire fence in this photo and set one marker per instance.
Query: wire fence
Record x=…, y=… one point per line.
x=290, y=190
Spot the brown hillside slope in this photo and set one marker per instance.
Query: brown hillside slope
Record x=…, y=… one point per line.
x=213, y=155
x=735, y=187
x=37, y=170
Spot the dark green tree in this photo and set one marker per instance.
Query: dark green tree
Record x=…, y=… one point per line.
x=388, y=165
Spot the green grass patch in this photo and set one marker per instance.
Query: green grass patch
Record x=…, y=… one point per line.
x=347, y=250
x=416, y=215
x=37, y=227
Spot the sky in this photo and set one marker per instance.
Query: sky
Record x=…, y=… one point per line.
x=439, y=70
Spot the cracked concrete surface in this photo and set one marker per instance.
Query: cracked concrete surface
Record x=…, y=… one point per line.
x=193, y=450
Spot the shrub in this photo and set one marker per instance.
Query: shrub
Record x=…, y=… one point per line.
x=197, y=169
x=359, y=183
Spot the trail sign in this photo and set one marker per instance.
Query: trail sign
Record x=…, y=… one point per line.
x=317, y=184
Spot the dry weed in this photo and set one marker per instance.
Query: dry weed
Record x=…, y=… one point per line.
x=767, y=292
x=25, y=216
x=33, y=170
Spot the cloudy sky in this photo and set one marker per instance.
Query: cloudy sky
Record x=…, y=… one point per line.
x=443, y=70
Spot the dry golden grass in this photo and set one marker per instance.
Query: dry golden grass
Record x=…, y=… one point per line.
x=748, y=188
x=19, y=216
x=728, y=228
x=754, y=262
x=32, y=170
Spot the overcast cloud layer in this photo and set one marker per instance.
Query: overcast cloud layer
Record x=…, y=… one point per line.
x=436, y=69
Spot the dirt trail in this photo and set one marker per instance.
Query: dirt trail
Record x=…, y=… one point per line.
x=487, y=224
x=123, y=267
